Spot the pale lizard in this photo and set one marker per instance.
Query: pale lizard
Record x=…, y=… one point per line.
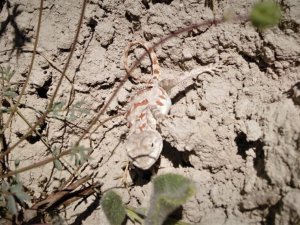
x=144, y=143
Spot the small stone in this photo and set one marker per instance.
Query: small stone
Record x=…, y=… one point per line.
x=253, y=130
x=191, y=111
x=43, y=64
x=268, y=55
x=105, y=33
x=65, y=44
x=242, y=108
x=134, y=11
x=187, y=54
x=81, y=88
x=123, y=96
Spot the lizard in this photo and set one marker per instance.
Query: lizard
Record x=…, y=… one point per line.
x=144, y=143
x=147, y=107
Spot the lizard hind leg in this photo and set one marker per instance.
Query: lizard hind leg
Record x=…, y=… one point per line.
x=154, y=61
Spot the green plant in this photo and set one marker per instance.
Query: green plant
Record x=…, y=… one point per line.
x=113, y=207
x=265, y=14
x=169, y=192
x=80, y=153
x=8, y=90
x=11, y=192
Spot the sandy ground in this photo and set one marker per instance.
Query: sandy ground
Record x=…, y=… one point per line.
x=236, y=133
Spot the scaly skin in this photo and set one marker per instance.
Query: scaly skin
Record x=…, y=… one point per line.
x=144, y=144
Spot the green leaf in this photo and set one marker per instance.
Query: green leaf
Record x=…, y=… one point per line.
x=4, y=186
x=5, y=110
x=265, y=14
x=113, y=208
x=57, y=107
x=76, y=110
x=17, y=190
x=11, y=204
x=17, y=163
x=58, y=165
x=9, y=92
x=169, y=192
x=72, y=117
x=133, y=215
x=6, y=73
x=80, y=153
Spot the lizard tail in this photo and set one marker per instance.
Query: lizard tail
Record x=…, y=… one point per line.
x=154, y=61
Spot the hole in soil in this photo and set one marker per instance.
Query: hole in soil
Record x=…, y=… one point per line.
x=130, y=17
x=92, y=24
x=32, y=139
x=142, y=177
x=259, y=160
x=258, y=61
x=259, y=163
x=273, y=210
x=42, y=91
x=293, y=93
x=168, y=2
x=146, y=4
x=242, y=144
x=176, y=157
x=5, y=103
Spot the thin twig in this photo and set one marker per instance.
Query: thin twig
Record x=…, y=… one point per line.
x=75, y=173
x=15, y=106
x=50, y=105
x=35, y=165
x=95, y=119
x=51, y=63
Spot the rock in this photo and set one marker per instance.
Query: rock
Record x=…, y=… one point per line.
x=253, y=131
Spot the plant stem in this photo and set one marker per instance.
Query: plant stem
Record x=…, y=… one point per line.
x=15, y=106
x=35, y=165
x=122, y=82
x=49, y=107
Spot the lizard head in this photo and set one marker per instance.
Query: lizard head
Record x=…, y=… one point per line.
x=144, y=148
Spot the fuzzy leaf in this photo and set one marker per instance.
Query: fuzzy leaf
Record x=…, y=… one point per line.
x=11, y=205
x=57, y=107
x=58, y=165
x=81, y=154
x=169, y=192
x=9, y=92
x=72, y=117
x=17, y=163
x=4, y=186
x=5, y=110
x=265, y=14
x=6, y=73
x=76, y=110
x=17, y=190
x=134, y=215
x=113, y=208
